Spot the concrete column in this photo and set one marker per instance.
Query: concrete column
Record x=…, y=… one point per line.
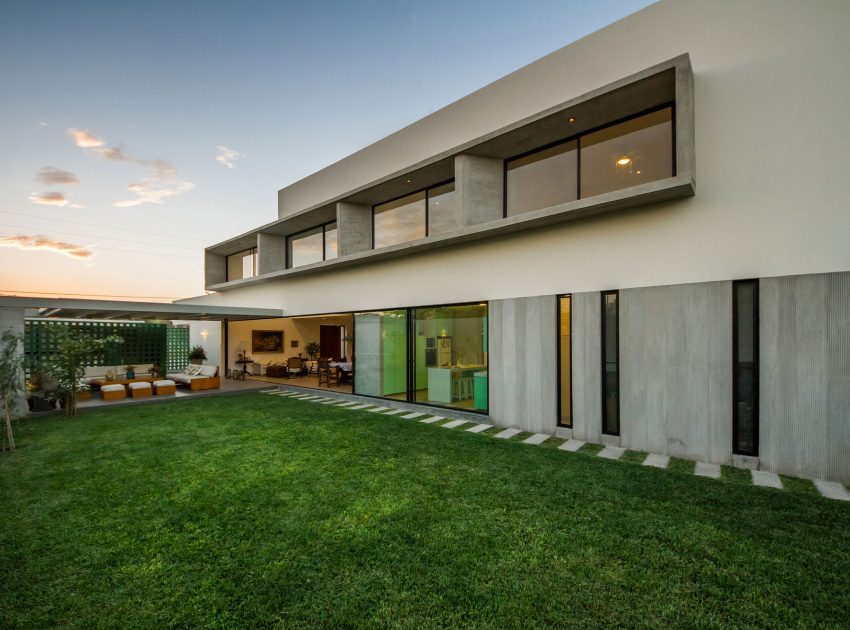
x=479, y=186
x=13, y=319
x=586, y=340
x=215, y=269
x=523, y=363
x=354, y=228
x=271, y=253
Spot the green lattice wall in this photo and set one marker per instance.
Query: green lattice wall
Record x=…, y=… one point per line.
x=143, y=342
x=178, y=349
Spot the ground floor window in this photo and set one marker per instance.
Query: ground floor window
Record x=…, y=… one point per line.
x=610, y=363
x=565, y=411
x=380, y=353
x=745, y=356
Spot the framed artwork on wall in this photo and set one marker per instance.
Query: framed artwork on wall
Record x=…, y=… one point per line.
x=293, y=343
x=266, y=341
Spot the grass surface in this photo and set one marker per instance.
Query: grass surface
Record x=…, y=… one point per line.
x=253, y=510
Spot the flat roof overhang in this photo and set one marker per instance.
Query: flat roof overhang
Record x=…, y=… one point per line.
x=61, y=308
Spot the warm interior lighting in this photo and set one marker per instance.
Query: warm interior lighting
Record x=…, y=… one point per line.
x=624, y=161
x=204, y=334
x=571, y=119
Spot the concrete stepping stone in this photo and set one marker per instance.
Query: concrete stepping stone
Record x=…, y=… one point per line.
x=453, y=424
x=571, y=445
x=431, y=420
x=413, y=415
x=537, y=438
x=507, y=433
x=330, y=401
x=478, y=428
x=766, y=479
x=704, y=469
x=395, y=412
x=612, y=452
x=347, y=404
x=656, y=460
x=362, y=406
x=832, y=490
x=301, y=396
x=379, y=410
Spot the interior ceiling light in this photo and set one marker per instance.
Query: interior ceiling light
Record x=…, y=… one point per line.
x=571, y=119
x=408, y=181
x=624, y=161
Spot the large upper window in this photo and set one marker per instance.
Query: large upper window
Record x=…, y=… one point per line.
x=542, y=179
x=313, y=245
x=242, y=265
x=415, y=216
x=622, y=155
x=634, y=152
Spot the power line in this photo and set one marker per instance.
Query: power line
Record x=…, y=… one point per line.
x=95, y=236
x=35, y=216
x=139, y=297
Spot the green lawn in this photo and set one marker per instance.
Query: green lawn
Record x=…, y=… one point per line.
x=253, y=510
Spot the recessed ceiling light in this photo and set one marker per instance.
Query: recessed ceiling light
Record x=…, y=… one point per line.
x=624, y=161
x=407, y=181
x=571, y=119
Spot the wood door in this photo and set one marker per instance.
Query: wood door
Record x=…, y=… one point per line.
x=330, y=341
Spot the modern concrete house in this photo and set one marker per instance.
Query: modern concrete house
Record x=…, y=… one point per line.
x=642, y=239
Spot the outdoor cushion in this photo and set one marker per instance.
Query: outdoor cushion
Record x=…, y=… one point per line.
x=208, y=370
x=138, y=385
x=180, y=377
x=112, y=388
x=192, y=370
x=164, y=383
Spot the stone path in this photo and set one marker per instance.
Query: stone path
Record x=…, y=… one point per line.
x=829, y=489
x=656, y=460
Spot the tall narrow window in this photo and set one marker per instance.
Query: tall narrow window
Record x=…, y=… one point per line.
x=745, y=357
x=610, y=363
x=565, y=415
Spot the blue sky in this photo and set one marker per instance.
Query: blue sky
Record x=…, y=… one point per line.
x=151, y=90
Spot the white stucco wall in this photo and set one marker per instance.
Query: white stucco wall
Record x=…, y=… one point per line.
x=771, y=132
x=212, y=341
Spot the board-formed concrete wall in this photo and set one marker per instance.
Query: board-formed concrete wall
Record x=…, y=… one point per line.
x=804, y=380
x=523, y=363
x=676, y=370
x=586, y=309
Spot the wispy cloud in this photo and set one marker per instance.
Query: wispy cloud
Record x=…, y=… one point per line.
x=43, y=124
x=49, y=199
x=85, y=138
x=228, y=157
x=76, y=205
x=160, y=184
x=45, y=243
x=51, y=175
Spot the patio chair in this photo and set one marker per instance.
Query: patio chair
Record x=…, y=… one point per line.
x=295, y=366
x=323, y=370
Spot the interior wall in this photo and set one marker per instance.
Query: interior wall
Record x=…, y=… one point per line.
x=303, y=330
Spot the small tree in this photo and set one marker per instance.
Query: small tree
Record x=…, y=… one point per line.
x=75, y=351
x=312, y=349
x=11, y=375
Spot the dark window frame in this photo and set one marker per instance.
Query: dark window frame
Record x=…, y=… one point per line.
x=253, y=253
x=736, y=365
x=604, y=347
x=577, y=139
x=291, y=237
x=426, y=190
x=570, y=350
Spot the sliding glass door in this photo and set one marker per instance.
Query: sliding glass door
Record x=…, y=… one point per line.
x=435, y=355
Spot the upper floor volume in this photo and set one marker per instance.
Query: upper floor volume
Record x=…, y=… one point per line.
x=626, y=144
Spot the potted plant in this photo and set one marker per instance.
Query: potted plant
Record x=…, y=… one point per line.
x=312, y=349
x=197, y=355
x=83, y=393
x=130, y=371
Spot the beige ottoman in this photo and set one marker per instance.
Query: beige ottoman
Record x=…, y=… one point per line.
x=113, y=392
x=139, y=390
x=165, y=387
